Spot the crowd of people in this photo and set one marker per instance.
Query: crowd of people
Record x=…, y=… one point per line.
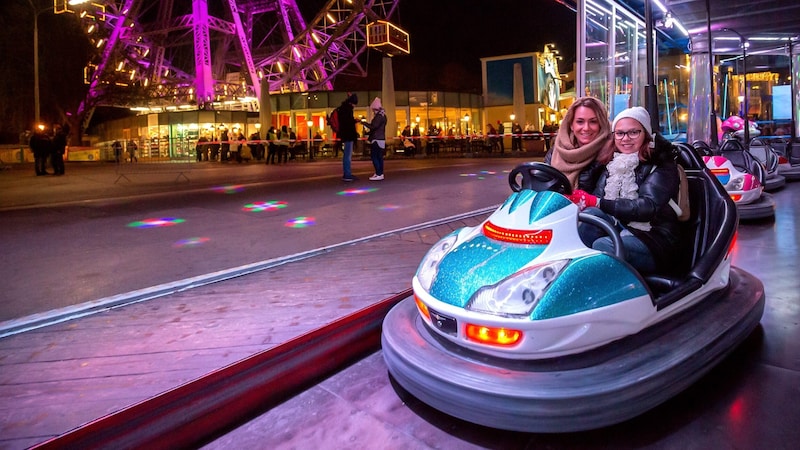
x=280, y=146
x=49, y=146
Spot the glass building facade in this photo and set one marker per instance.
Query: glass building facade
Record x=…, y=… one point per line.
x=173, y=134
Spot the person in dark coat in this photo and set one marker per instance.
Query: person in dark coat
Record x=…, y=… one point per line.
x=516, y=137
x=634, y=193
x=201, y=148
x=59, y=148
x=225, y=146
x=41, y=146
x=117, y=147
x=377, y=138
x=501, y=132
x=348, y=135
x=283, y=145
x=272, y=145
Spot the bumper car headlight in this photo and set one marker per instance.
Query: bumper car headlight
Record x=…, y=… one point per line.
x=517, y=295
x=429, y=266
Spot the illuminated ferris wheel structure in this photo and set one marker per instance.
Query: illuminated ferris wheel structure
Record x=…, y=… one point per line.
x=217, y=53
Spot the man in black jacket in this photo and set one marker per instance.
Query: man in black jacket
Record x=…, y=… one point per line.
x=59, y=148
x=348, y=135
x=41, y=146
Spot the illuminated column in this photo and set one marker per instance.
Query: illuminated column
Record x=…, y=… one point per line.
x=388, y=100
x=204, y=82
x=699, y=127
x=518, y=95
x=265, y=108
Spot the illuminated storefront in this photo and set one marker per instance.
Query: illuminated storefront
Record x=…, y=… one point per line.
x=174, y=134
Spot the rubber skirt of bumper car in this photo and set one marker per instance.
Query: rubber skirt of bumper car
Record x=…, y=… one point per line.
x=591, y=390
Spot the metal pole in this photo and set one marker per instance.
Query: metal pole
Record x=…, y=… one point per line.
x=746, y=108
x=650, y=90
x=744, y=74
x=792, y=90
x=713, y=117
x=36, y=109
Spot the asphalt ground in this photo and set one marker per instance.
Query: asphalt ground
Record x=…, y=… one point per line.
x=92, y=235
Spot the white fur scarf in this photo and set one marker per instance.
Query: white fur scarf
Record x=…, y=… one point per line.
x=621, y=181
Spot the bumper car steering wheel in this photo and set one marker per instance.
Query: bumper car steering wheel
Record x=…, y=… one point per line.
x=538, y=177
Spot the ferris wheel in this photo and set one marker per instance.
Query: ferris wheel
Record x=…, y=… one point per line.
x=204, y=53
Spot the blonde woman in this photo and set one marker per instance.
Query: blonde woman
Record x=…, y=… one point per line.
x=583, y=133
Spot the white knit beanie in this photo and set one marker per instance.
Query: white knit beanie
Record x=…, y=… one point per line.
x=376, y=104
x=637, y=113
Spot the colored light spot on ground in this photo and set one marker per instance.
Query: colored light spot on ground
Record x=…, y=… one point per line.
x=155, y=223
x=389, y=207
x=271, y=205
x=356, y=191
x=229, y=189
x=191, y=242
x=300, y=222
x=469, y=175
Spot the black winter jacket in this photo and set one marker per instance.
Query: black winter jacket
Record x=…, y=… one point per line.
x=347, y=123
x=587, y=179
x=658, y=182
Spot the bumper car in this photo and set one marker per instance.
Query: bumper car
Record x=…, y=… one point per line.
x=763, y=152
x=788, y=161
x=743, y=176
x=733, y=133
x=515, y=324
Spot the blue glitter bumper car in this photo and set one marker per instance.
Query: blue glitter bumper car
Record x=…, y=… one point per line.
x=515, y=324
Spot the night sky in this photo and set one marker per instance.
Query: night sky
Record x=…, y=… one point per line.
x=448, y=37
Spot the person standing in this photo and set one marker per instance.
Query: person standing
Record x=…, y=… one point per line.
x=40, y=144
x=225, y=146
x=516, y=137
x=272, y=145
x=501, y=131
x=348, y=135
x=117, y=147
x=549, y=132
x=214, y=148
x=491, y=138
x=283, y=145
x=200, y=149
x=132, y=147
x=377, y=137
x=59, y=148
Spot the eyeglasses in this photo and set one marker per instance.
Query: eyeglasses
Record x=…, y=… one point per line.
x=633, y=134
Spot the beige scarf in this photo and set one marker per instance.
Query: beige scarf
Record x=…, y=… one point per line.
x=571, y=159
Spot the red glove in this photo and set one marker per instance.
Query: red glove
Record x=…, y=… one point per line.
x=583, y=199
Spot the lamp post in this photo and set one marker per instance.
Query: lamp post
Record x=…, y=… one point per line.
x=310, y=124
x=36, y=110
x=744, y=80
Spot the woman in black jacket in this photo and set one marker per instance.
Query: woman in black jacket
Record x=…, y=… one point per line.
x=634, y=192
